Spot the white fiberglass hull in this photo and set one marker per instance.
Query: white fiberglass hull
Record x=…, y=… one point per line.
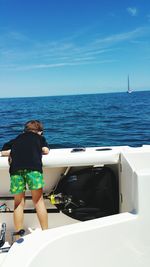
x=118, y=240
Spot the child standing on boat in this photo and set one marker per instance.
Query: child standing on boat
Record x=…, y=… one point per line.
x=25, y=159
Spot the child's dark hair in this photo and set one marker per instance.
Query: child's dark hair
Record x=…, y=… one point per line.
x=33, y=126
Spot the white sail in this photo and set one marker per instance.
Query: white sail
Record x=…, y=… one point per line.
x=129, y=89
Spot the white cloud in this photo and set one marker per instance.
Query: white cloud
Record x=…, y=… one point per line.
x=132, y=11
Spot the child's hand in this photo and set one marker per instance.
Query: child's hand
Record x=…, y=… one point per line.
x=5, y=153
x=45, y=150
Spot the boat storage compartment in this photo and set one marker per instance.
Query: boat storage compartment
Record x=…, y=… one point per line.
x=86, y=193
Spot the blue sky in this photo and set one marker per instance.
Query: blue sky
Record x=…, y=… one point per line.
x=57, y=47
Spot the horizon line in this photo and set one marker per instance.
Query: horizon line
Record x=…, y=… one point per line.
x=39, y=96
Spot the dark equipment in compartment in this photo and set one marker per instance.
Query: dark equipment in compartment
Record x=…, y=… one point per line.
x=88, y=193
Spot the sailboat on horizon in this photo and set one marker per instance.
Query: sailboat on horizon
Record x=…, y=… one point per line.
x=129, y=91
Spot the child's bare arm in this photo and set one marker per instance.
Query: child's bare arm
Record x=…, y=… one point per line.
x=45, y=150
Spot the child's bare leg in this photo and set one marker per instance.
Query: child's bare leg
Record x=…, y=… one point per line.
x=19, y=202
x=38, y=201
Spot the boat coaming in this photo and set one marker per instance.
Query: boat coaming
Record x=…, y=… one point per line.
x=113, y=241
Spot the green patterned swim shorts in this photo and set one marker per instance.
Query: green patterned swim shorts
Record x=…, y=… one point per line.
x=18, y=181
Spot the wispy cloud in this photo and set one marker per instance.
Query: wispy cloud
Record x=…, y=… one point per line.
x=121, y=37
x=133, y=11
x=58, y=65
x=148, y=16
x=17, y=36
x=12, y=37
x=35, y=55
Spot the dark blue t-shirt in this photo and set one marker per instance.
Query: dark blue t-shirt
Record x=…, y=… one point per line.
x=26, y=152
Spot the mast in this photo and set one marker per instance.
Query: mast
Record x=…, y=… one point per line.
x=128, y=84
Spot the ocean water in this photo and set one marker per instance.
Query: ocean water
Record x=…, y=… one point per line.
x=81, y=120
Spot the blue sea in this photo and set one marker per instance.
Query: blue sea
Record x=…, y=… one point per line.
x=111, y=119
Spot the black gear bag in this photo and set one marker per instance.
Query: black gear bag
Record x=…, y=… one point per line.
x=89, y=193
